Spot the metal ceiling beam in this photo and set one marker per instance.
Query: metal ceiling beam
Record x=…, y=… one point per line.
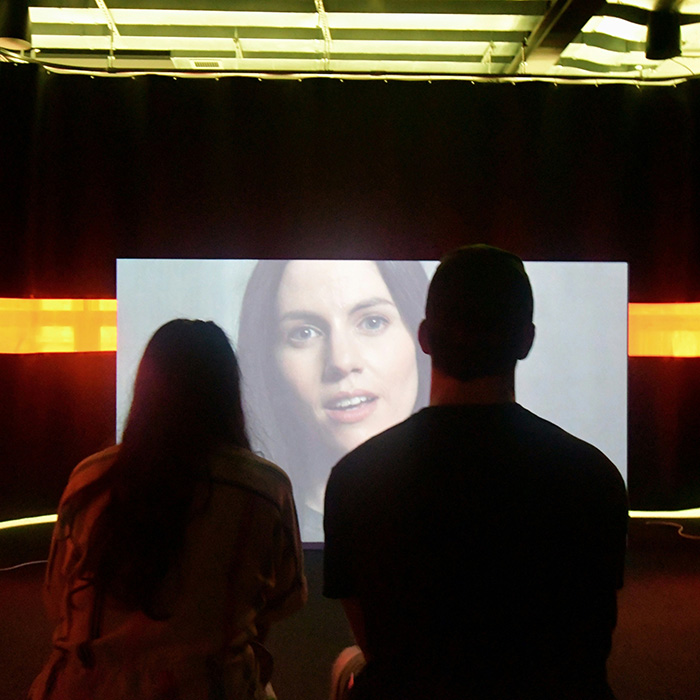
x=560, y=25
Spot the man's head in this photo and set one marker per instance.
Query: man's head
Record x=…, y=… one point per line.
x=478, y=317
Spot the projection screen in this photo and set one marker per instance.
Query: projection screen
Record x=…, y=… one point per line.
x=329, y=356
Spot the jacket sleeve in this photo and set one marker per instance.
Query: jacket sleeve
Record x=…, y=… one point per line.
x=290, y=590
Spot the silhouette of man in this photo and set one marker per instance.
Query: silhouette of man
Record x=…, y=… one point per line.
x=477, y=548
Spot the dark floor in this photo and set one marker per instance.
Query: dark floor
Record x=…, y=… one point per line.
x=656, y=650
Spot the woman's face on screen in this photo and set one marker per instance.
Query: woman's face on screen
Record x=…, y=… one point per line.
x=344, y=349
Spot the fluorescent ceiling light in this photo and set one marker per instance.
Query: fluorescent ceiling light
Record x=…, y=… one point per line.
x=309, y=46
x=202, y=18
x=132, y=43
x=214, y=18
x=283, y=45
x=428, y=67
x=63, y=41
x=64, y=15
x=603, y=57
x=613, y=26
x=443, y=22
x=420, y=48
x=643, y=4
x=342, y=66
x=690, y=34
x=336, y=20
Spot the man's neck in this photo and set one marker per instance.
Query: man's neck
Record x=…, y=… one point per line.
x=448, y=391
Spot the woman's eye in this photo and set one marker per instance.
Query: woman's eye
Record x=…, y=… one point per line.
x=373, y=324
x=302, y=334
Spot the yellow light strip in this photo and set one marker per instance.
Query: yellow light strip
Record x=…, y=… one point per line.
x=687, y=514
x=90, y=325
x=23, y=522
x=664, y=330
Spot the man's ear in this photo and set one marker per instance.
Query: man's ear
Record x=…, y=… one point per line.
x=527, y=340
x=423, y=337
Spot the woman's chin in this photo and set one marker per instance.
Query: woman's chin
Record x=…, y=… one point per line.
x=345, y=438
x=347, y=443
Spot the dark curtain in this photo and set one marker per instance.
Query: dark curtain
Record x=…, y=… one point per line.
x=92, y=169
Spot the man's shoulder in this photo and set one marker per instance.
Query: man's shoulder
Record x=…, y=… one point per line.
x=575, y=477
x=396, y=442
x=506, y=432
x=554, y=442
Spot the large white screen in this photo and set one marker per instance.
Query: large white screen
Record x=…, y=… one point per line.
x=575, y=375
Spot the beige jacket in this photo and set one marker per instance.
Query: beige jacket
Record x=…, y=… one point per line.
x=241, y=569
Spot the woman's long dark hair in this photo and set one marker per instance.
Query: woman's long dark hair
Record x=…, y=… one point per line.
x=274, y=427
x=186, y=402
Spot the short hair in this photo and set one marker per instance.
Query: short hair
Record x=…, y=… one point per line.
x=478, y=312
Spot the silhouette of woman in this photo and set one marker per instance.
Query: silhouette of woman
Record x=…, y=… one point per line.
x=175, y=550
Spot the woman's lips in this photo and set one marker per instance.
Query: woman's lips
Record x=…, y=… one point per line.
x=351, y=407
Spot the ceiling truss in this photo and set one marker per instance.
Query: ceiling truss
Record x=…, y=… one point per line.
x=418, y=38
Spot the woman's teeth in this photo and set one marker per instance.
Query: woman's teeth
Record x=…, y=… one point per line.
x=350, y=402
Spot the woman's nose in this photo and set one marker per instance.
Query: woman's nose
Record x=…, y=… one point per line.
x=342, y=357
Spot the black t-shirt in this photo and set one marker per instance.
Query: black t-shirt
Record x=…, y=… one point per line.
x=485, y=546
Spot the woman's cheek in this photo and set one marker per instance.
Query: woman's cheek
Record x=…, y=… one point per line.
x=402, y=373
x=398, y=354
x=298, y=369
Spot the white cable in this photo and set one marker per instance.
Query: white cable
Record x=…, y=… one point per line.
x=678, y=526
x=26, y=563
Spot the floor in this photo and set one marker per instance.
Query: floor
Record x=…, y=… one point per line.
x=656, y=648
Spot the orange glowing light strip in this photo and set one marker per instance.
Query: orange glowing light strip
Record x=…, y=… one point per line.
x=58, y=325
x=664, y=330
x=90, y=325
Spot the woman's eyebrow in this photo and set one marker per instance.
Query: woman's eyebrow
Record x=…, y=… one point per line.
x=372, y=301
x=302, y=315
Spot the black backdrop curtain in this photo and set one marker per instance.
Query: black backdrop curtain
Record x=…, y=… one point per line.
x=92, y=169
